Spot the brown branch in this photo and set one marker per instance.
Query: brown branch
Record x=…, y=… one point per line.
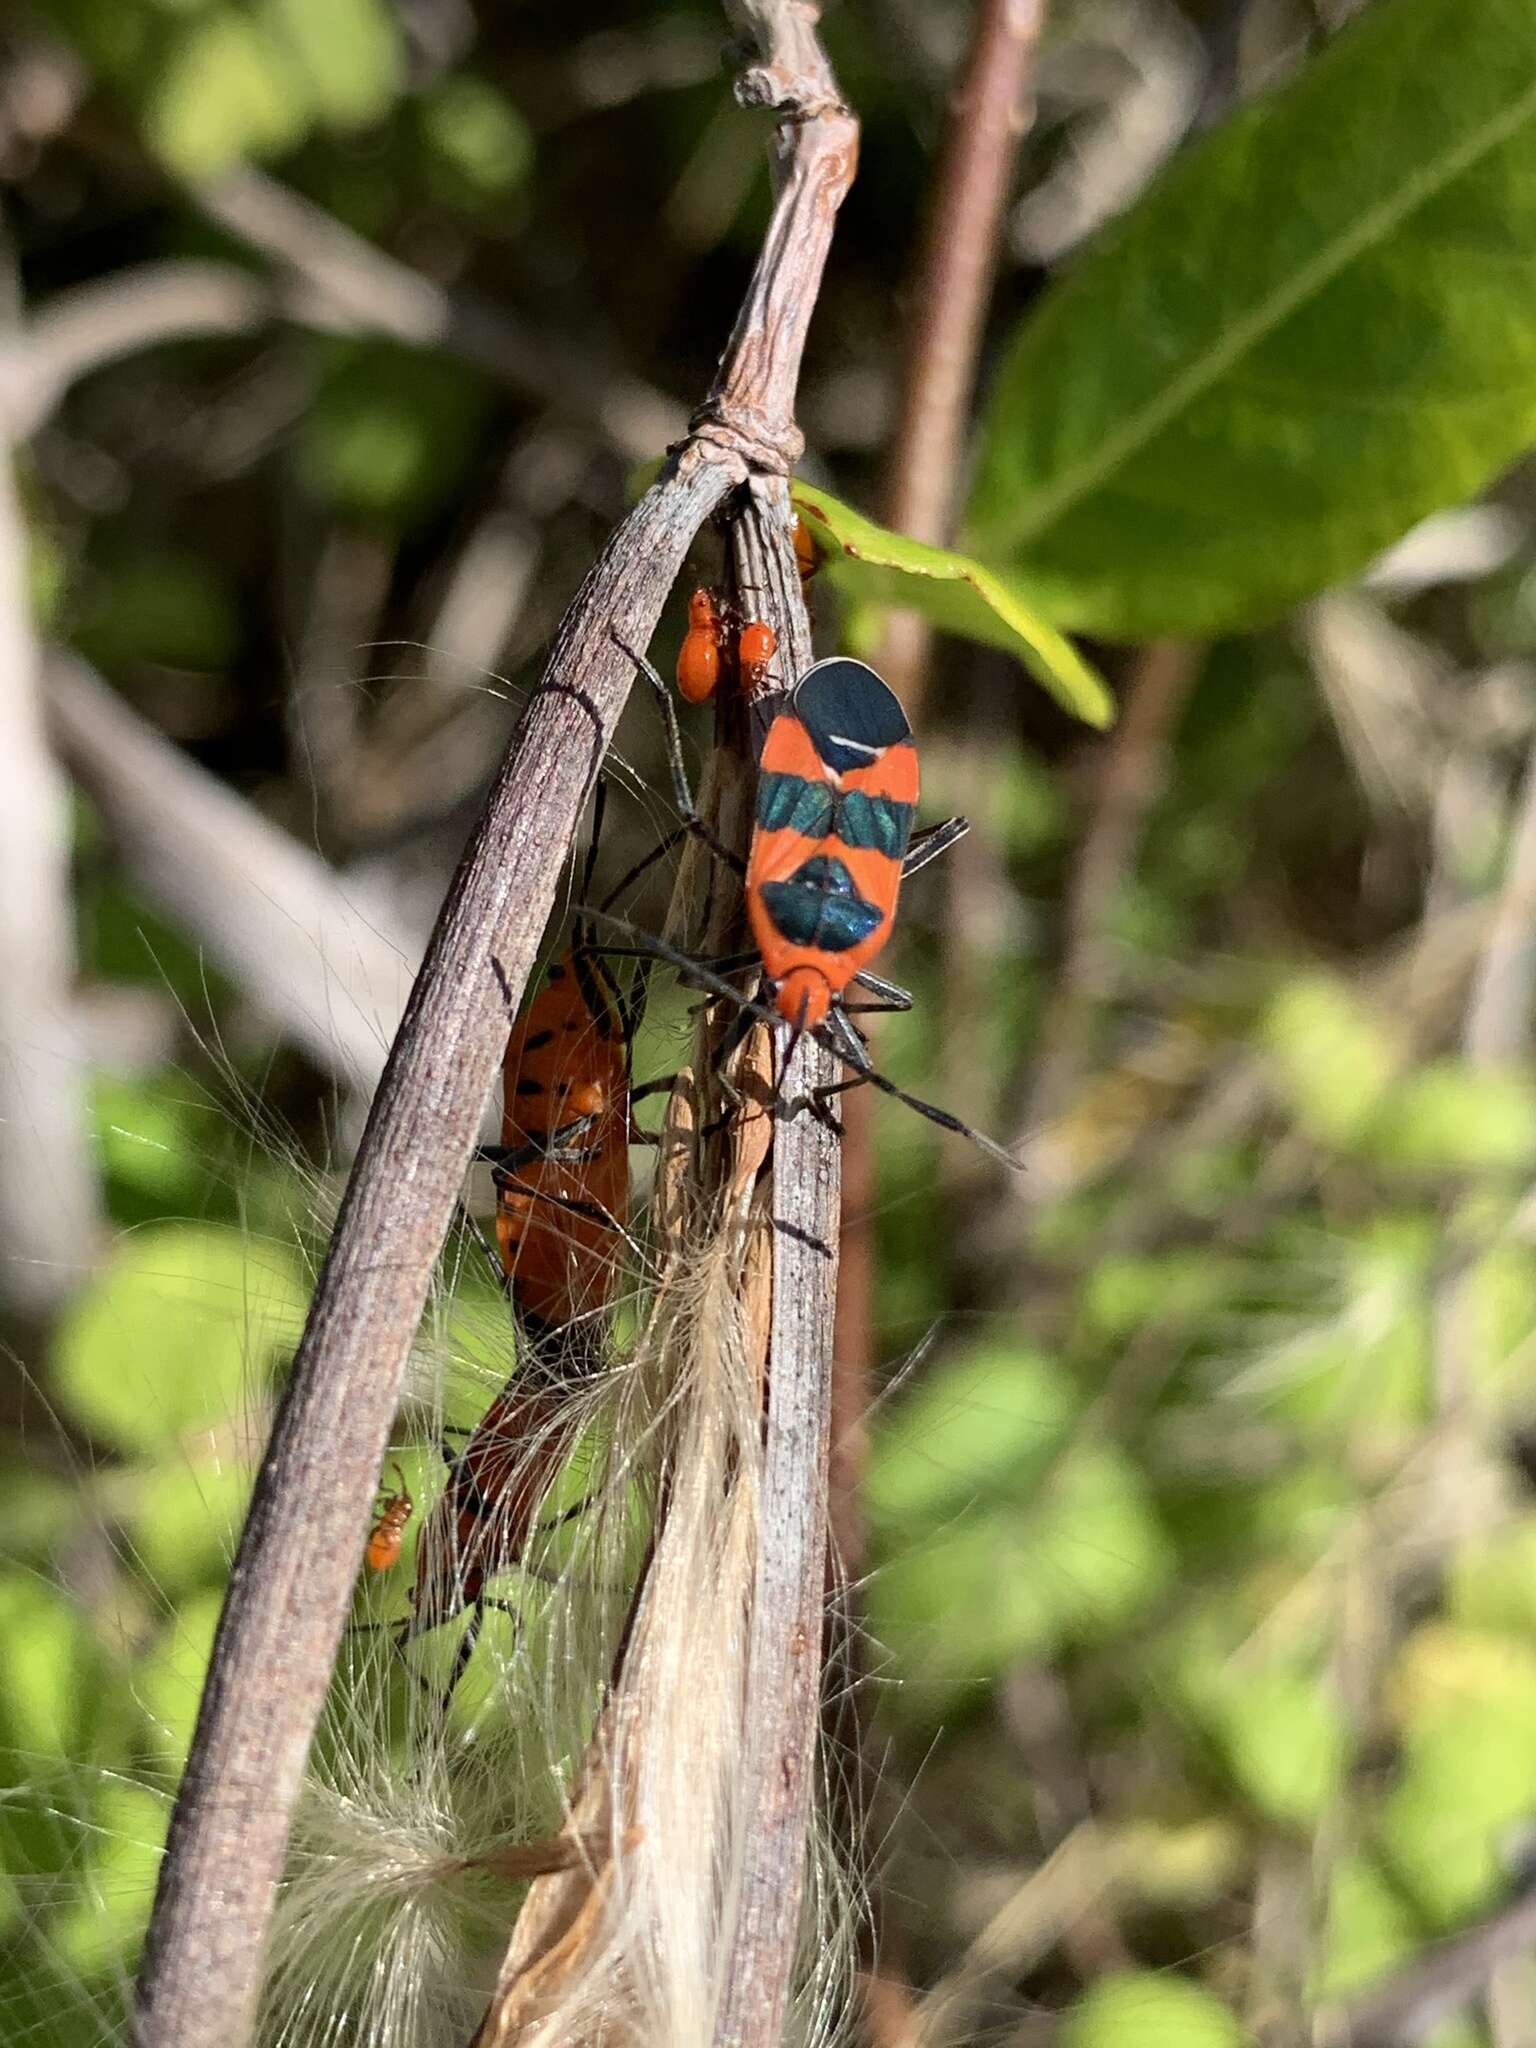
x=349, y=280
x=785, y=1659
x=988, y=117
x=325, y=963
x=1132, y=776
x=302, y=1544
x=1498, y=1026
x=83, y=329
x=293, y=1574
x=50, y=1208
x=947, y=297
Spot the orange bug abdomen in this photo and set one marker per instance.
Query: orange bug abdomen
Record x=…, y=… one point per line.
x=387, y=1535
x=756, y=645
x=561, y=1208
x=701, y=657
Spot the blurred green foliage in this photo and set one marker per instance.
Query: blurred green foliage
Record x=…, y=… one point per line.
x=1211, y=1443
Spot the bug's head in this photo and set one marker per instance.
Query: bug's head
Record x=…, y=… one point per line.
x=803, y=997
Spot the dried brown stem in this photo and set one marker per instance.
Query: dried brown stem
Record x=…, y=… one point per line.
x=83, y=329
x=784, y=1668
x=293, y=1574
x=1498, y=1027
x=1130, y=781
x=331, y=969
x=989, y=113
x=302, y=1544
x=987, y=118
x=50, y=1209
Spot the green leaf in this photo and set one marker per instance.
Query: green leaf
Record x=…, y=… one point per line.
x=227, y=91
x=1150, y=2009
x=49, y=1663
x=960, y=596
x=171, y=1677
x=108, y=1906
x=172, y=1335
x=989, y=1586
x=1282, y=1735
x=161, y=605
x=980, y=1429
x=1369, y=1926
x=390, y=433
x=185, y=1518
x=1449, y=1115
x=1333, y=1058
x=348, y=52
x=1312, y=331
x=1465, y=1703
x=478, y=133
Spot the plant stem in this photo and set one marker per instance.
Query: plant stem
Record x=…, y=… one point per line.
x=302, y=1544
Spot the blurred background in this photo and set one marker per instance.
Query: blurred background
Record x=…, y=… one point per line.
x=1194, y=1506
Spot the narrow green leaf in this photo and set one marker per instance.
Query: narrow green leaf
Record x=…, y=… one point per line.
x=1314, y=330
x=960, y=596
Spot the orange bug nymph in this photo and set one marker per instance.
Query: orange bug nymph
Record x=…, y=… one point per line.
x=701, y=658
x=388, y=1532
x=756, y=645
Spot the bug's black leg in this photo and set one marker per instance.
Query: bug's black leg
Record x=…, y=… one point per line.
x=842, y=1039
x=688, y=810
x=929, y=845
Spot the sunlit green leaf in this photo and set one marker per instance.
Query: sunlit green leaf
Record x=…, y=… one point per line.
x=1150, y=2009
x=1465, y=1704
x=477, y=132
x=1451, y=1115
x=47, y=1660
x=175, y=1335
x=184, y=1516
x=1313, y=330
x=1333, y=1057
x=1070, y=1562
x=877, y=566
x=348, y=52
x=227, y=91
x=170, y=1677
x=985, y=1424
x=108, y=1908
x=1281, y=1732
x=1369, y=1926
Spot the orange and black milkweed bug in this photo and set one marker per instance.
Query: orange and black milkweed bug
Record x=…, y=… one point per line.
x=832, y=841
